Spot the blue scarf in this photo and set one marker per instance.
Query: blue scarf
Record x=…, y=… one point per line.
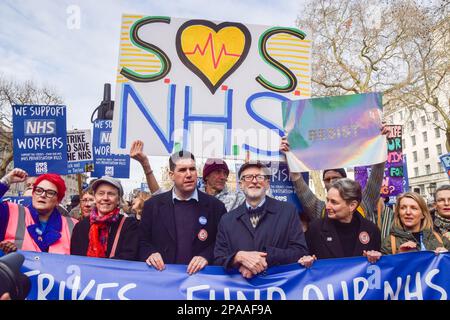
x=52, y=232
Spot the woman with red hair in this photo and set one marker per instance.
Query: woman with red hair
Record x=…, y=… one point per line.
x=40, y=227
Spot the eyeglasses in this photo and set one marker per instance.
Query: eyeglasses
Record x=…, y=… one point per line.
x=250, y=177
x=48, y=193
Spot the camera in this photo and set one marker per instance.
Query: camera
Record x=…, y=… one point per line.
x=11, y=280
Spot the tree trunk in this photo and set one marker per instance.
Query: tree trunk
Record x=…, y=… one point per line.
x=8, y=157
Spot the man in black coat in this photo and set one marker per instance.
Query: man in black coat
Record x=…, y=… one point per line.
x=180, y=226
x=260, y=233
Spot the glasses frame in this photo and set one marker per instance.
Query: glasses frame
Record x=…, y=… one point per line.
x=251, y=177
x=45, y=191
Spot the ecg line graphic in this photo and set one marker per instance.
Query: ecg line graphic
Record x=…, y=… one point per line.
x=210, y=43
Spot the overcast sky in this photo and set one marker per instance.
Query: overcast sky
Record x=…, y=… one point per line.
x=41, y=40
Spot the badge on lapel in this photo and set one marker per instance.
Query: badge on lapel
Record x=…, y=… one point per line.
x=364, y=237
x=202, y=235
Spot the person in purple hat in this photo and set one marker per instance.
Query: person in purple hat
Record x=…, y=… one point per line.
x=215, y=176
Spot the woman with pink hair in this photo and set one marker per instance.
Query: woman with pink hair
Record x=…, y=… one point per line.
x=40, y=227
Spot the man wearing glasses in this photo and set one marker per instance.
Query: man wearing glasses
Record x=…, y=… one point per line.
x=260, y=233
x=40, y=227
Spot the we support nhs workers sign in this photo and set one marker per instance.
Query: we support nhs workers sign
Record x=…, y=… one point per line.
x=105, y=163
x=39, y=133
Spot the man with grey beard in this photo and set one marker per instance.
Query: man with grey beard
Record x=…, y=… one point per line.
x=260, y=233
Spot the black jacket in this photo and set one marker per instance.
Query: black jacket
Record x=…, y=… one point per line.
x=279, y=233
x=323, y=239
x=157, y=227
x=127, y=245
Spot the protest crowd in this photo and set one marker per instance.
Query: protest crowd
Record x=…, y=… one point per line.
x=246, y=229
x=199, y=221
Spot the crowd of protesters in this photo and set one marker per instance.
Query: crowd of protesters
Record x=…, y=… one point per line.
x=246, y=229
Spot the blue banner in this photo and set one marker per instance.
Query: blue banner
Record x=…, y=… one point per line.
x=40, y=139
x=106, y=163
x=407, y=276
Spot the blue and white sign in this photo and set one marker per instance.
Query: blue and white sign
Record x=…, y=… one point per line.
x=407, y=276
x=445, y=160
x=39, y=134
x=144, y=187
x=106, y=163
x=79, y=151
x=282, y=187
x=24, y=201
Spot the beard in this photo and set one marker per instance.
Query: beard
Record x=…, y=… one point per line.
x=254, y=193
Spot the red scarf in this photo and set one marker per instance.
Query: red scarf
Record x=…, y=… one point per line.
x=99, y=232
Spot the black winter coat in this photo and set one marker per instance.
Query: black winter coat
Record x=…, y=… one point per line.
x=323, y=240
x=279, y=233
x=127, y=245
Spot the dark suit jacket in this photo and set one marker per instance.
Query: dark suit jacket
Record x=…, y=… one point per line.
x=157, y=227
x=279, y=233
x=323, y=239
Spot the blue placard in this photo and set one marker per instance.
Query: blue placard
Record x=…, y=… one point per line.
x=144, y=187
x=40, y=138
x=282, y=187
x=445, y=160
x=24, y=201
x=105, y=163
x=407, y=276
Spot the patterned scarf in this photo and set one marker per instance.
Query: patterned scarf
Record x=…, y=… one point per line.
x=442, y=224
x=99, y=232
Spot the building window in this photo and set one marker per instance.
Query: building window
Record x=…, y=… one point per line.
x=401, y=115
x=391, y=118
x=427, y=153
x=403, y=144
x=422, y=189
x=424, y=120
x=435, y=116
x=439, y=149
x=440, y=167
x=413, y=140
x=427, y=169
x=425, y=136
x=416, y=171
x=437, y=132
x=415, y=156
x=411, y=124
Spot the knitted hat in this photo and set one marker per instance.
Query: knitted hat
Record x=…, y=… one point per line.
x=212, y=164
x=341, y=171
x=56, y=180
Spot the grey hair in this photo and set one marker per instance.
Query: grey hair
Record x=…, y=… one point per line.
x=348, y=189
x=441, y=188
